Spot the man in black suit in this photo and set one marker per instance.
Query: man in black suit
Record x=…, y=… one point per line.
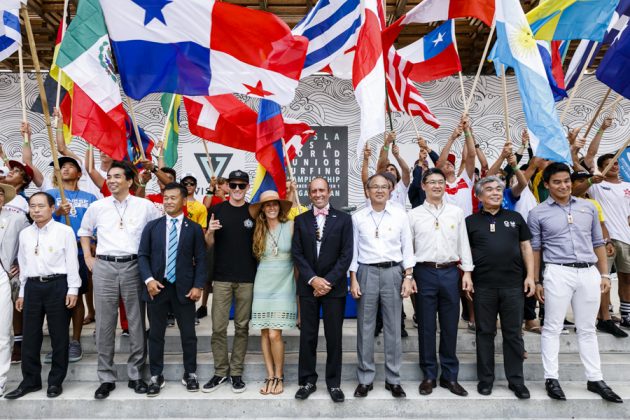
x=322, y=251
x=171, y=259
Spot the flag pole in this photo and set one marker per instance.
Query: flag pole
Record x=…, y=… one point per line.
x=506, y=109
x=483, y=59
x=42, y=94
x=577, y=82
x=135, y=128
x=389, y=110
x=599, y=109
x=291, y=176
x=614, y=159
x=415, y=127
x=459, y=73
x=63, y=33
x=167, y=123
x=613, y=106
x=22, y=91
x=205, y=146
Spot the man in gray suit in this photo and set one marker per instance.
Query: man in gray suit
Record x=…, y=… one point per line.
x=11, y=223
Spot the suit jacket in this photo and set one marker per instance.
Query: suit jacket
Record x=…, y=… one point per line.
x=190, y=270
x=11, y=224
x=335, y=254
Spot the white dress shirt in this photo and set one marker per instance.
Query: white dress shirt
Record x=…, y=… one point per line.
x=320, y=219
x=394, y=237
x=105, y=217
x=448, y=242
x=56, y=254
x=180, y=220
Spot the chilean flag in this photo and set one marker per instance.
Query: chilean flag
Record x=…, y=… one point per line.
x=433, y=56
x=203, y=47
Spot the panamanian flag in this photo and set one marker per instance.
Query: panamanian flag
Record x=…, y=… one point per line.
x=203, y=47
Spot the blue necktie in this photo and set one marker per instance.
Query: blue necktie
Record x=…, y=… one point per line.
x=172, y=252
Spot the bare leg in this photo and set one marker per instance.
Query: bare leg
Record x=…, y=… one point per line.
x=604, y=314
x=277, y=352
x=268, y=358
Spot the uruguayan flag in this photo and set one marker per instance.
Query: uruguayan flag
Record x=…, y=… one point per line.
x=10, y=36
x=331, y=28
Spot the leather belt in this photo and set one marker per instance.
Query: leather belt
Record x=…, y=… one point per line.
x=387, y=264
x=439, y=265
x=121, y=259
x=575, y=265
x=49, y=278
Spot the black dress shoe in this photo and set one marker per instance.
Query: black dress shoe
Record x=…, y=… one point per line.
x=396, y=390
x=604, y=391
x=484, y=388
x=554, y=390
x=610, y=327
x=520, y=390
x=336, y=394
x=103, y=391
x=155, y=386
x=362, y=390
x=21, y=391
x=426, y=386
x=138, y=386
x=305, y=391
x=54, y=391
x=454, y=387
x=404, y=333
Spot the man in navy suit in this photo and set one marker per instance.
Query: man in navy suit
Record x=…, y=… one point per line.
x=322, y=252
x=172, y=259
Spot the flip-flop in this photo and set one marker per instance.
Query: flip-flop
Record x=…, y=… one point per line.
x=88, y=320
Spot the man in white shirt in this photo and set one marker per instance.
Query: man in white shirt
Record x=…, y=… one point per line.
x=49, y=285
x=440, y=243
x=382, y=256
x=118, y=222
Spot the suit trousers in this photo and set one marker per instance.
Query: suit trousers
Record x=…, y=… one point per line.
x=333, y=314
x=384, y=284
x=164, y=303
x=580, y=288
x=6, y=320
x=438, y=293
x=45, y=300
x=222, y=295
x=112, y=280
x=508, y=305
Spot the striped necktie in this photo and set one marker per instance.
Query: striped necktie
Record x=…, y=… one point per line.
x=171, y=258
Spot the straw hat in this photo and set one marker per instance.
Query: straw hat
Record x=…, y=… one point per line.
x=265, y=197
x=9, y=192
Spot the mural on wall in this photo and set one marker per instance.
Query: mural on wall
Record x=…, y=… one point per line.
x=329, y=102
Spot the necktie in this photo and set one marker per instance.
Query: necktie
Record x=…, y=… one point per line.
x=171, y=253
x=323, y=212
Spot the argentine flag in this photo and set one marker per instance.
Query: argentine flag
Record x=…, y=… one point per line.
x=517, y=48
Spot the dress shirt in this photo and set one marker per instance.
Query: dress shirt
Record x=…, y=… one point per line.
x=104, y=217
x=180, y=220
x=56, y=254
x=320, y=219
x=448, y=243
x=394, y=237
x=562, y=242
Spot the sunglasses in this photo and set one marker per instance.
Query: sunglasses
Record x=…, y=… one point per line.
x=234, y=185
x=188, y=184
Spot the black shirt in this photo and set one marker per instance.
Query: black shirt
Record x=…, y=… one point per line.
x=234, y=259
x=497, y=255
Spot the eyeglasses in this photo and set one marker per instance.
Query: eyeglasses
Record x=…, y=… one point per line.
x=379, y=187
x=188, y=184
x=234, y=185
x=435, y=182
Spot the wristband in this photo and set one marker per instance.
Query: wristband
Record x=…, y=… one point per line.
x=589, y=181
x=515, y=168
x=600, y=131
x=386, y=148
x=142, y=185
x=606, y=276
x=467, y=134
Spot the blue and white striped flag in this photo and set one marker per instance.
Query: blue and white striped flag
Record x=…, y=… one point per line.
x=10, y=35
x=332, y=27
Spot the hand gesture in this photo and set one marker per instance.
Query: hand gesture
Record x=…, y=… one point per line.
x=390, y=137
x=606, y=123
x=395, y=150
x=214, y=224
x=367, y=152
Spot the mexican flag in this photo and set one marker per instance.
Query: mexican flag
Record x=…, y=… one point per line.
x=93, y=108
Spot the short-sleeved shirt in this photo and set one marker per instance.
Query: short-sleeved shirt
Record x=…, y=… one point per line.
x=80, y=201
x=615, y=200
x=600, y=211
x=460, y=193
x=197, y=212
x=497, y=255
x=234, y=259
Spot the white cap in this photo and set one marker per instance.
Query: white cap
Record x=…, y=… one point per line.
x=4, y=171
x=188, y=175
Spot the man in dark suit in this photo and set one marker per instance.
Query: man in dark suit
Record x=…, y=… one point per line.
x=322, y=251
x=171, y=259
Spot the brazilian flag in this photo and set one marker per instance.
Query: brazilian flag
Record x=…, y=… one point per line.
x=170, y=106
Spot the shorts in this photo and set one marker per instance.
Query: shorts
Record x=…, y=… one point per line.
x=621, y=258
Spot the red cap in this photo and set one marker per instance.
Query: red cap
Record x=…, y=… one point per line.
x=451, y=158
x=27, y=169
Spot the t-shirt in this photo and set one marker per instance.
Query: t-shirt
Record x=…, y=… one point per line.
x=497, y=255
x=80, y=201
x=17, y=205
x=85, y=182
x=459, y=193
x=600, y=211
x=525, y=203
x=296, y=211
x=234, y=259
x=197, y=212
x=540, y=191
x=615, y=200
x=399, y=194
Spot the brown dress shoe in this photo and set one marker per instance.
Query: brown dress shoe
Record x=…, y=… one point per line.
x=426, y=386
x=454, y=387
x=362, y=390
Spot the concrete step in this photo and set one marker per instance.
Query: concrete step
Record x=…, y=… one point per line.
x=616, y=367
x=77, y=401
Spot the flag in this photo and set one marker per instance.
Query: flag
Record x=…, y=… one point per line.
x=331, y=28
x=556, y=84
x=571, y=19
x=224, y=49
x=434, y=56
x=438, y=10
x=614, y=69
x=368, y=76
x=171, y=137
x=402, y=94
x=93, y=107
x=516, y=48
x=10, y=35
x=624, y=165
x=50, y=84
x=133, y=152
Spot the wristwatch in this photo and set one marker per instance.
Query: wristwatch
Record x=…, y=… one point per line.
x=408, y=276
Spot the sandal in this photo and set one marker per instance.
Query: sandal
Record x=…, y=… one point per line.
x=267, y=386
x=278, y=382
x=534, y=329
x=88, y=320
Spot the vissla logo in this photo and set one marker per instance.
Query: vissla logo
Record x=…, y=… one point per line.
x=220, y=162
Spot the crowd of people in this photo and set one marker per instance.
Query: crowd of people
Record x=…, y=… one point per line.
x=484, y=244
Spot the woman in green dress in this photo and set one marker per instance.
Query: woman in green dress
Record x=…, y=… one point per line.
x=274, y=305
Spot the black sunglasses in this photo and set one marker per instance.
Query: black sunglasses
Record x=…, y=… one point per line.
x=188, y=184
x=234, y=185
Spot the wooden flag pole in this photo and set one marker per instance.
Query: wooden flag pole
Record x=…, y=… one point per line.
x=459, y=73
x=483, y=59
x=613, y=106
x=42, y=94
x=205, y=146
x=291, y=176
x=577, y=82
x=597, y=112
x=415, y=127
x=90, y=162
x=22, y=92
x=135, y=128
x=63, y=33
x=614, y=159
x=506, y=109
